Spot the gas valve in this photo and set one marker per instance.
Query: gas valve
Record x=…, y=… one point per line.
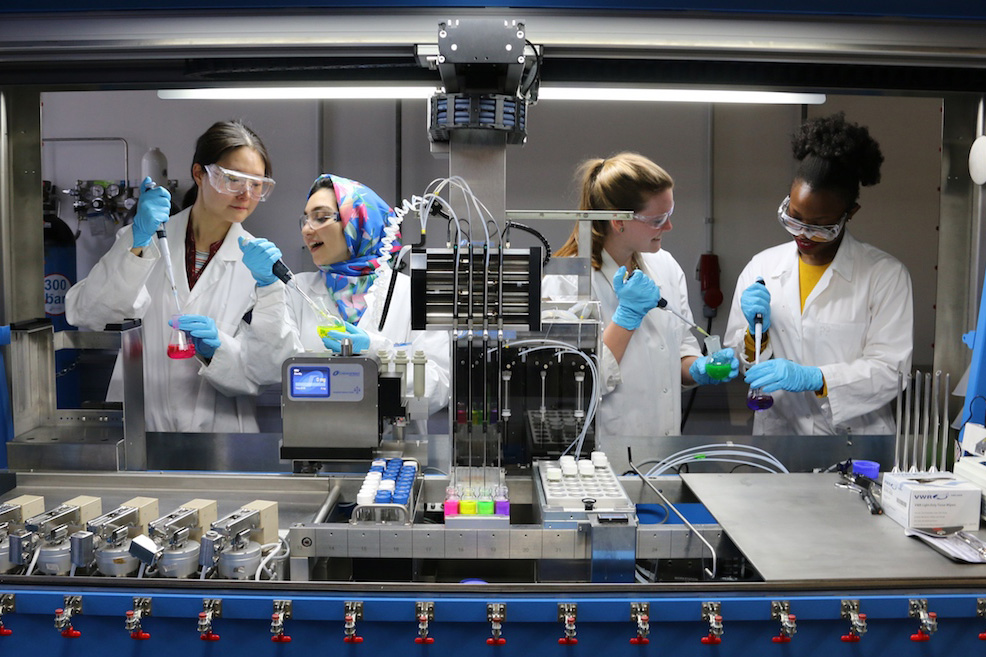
x=711, y=614
x=142, y=607
x=567, y=614
x=780, y=610
x=282, y=612
x=857, y=621
x=211, y=609
x=63, y=617
x=640, y=614
x=6, y=607
x=496, y=613
x=354, y=612
x=425, y=612
x=927, y=620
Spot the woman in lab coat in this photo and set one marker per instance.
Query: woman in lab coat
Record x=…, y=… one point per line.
x=837, y=313
x=237, y=323
x=352, y=235
x=647, y=353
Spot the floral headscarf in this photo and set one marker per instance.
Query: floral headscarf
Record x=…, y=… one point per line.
x=364, y=217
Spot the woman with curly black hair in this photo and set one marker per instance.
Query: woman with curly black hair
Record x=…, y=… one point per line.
x=837, y=313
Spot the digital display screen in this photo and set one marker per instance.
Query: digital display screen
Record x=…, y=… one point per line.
x=310, y=381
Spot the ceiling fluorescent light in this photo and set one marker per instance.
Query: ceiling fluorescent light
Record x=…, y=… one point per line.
x=298, y=93
x=548, y=92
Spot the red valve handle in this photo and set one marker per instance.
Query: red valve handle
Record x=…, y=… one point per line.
x=140, y=635
x=209, y=636
x=71, y=633
x=780, y=638
x=567, y=641
x=5, y=631
x=711, y=640
x=982, y=636
x=427, y=640
x=639, y=641
x=920, y=636
x=281, y=638
x=850, y=638
x=353, y=639
x=499, y=641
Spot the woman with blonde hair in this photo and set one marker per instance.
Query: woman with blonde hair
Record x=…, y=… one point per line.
x=646, y=356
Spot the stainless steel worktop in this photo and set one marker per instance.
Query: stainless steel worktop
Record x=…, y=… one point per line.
x=801, y=527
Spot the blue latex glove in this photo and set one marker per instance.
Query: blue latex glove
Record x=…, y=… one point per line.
x=153, y=208
x=259, y=255
x=359, y=338
x=756, y=299
x=702, y=378
x=637, y=296
x=781, y=374
x=205, y=334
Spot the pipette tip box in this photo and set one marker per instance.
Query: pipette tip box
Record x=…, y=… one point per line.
x=930, y=500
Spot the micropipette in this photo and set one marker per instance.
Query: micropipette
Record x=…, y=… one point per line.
x=162, y=245
x=281, y=270
x=663, y=305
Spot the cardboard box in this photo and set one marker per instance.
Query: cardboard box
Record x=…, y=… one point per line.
x=931, y=500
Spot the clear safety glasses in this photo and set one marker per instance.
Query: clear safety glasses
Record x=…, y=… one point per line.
x=814, y=233
x=655, y=221
x=318, y=218
x=228, y=181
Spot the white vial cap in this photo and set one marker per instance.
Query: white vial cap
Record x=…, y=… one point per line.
x=586, y=468
x=554, y=473
x=567, y=458
x=569, y=468
x=365, y=498
x=387, y=484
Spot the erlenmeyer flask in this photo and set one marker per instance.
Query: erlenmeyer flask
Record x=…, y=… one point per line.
x=180, y=345
x=758, y=400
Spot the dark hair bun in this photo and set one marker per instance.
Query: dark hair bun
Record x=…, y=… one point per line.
x=847, y=146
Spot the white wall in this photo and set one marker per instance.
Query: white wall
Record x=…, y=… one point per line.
x=751, y=173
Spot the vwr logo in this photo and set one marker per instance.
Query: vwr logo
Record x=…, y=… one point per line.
x=931, y=496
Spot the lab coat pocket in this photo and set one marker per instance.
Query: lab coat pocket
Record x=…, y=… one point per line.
x=835, y=343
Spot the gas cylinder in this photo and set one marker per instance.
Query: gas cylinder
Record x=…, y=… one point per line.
x=60, y=275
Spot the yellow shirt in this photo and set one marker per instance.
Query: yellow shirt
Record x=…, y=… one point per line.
x=809, y=275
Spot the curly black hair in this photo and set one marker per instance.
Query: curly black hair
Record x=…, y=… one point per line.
x=837, y=155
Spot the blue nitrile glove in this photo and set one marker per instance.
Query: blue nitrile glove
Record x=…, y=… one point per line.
x=781, y=374
x=4, y=335
x=756, y=299
x=153, y=207
x=637, y=296
x=359, y=338
x=259, y=255
x=205, y=335
x=723, y=356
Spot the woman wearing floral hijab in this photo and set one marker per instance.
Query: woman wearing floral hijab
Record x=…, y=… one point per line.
x=345, y=227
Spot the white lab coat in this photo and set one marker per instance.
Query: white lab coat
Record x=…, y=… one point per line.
x=396, y=333
x=641, y=395
x=187, y=395
x=857, y=326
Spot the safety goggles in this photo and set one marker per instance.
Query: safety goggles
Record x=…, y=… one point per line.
x=655, y=221
x=318, y=218
x=228, y=181
x=814, y=233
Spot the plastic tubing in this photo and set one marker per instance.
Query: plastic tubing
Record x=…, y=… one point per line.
x=564, y=347
x=709, y=454
x=716, y=446
x=722, y=460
